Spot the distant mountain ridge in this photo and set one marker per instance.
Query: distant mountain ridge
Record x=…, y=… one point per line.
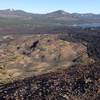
x=57, y=13
x=16, y=20
x=56, y=16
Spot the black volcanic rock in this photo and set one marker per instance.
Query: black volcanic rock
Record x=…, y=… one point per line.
x=94, y=48
x=75, y=83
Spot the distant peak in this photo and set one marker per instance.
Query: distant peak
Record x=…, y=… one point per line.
x=59, y=12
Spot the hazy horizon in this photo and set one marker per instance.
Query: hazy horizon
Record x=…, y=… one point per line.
x=46, y=6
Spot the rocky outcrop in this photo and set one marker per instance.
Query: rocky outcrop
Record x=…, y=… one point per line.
x=38, y=54
x=28, y=47
x=46, y=67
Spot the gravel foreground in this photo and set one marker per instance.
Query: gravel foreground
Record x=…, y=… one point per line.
x=74, y=83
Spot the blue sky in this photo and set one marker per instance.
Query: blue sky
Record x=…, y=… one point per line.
x=44, y=6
